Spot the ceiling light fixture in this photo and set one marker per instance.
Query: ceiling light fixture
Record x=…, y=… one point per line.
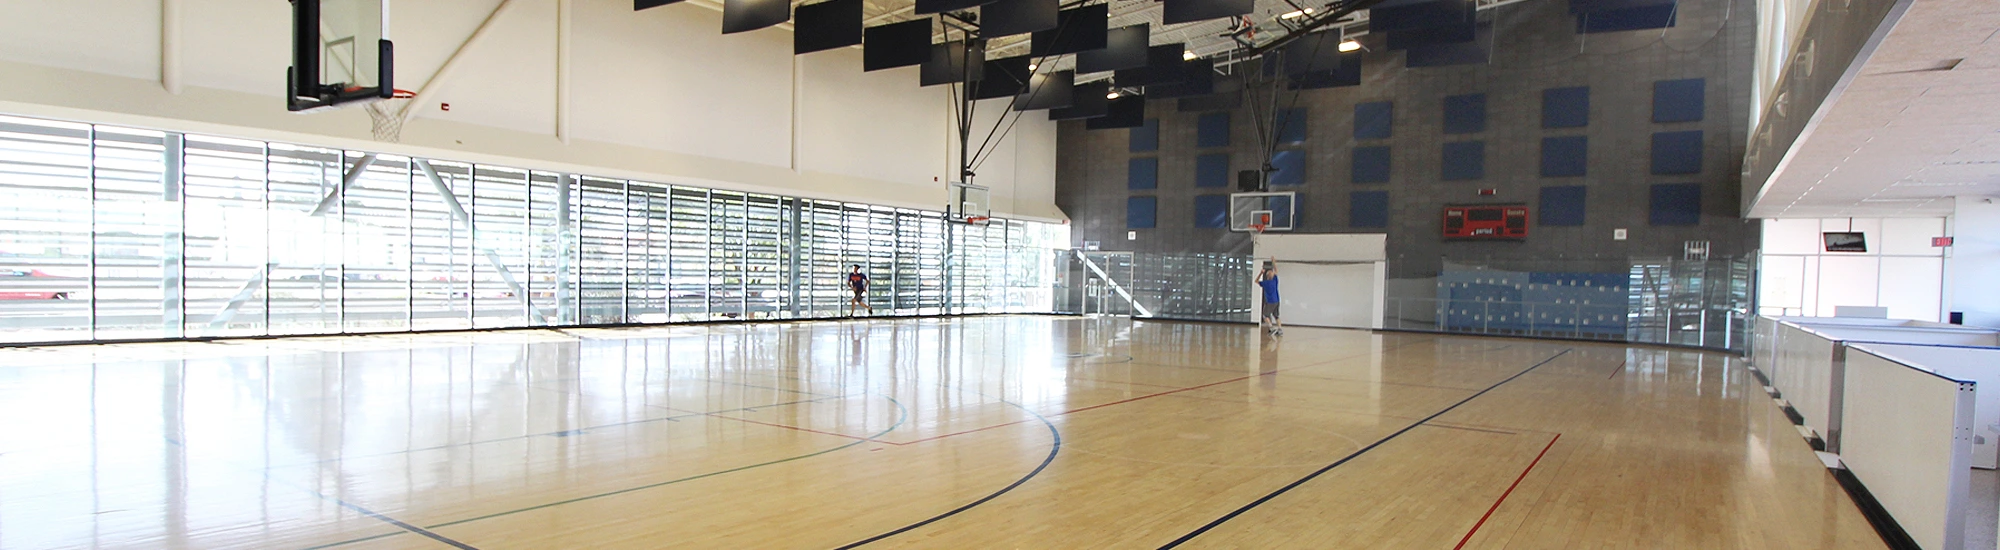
x=1187, y=56
x=1349, y=45
x=1031, y=66
x=1112, y=95
x=1296, y=14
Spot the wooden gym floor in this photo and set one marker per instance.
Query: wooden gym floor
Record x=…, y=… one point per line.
x=985, y=432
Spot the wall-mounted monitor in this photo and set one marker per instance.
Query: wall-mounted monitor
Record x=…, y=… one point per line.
x=1845, y=241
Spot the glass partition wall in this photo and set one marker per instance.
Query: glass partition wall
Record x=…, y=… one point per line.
x=110, y=233
x=1700, y=303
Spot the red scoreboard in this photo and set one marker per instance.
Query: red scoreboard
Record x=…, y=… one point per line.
x=1486, y=221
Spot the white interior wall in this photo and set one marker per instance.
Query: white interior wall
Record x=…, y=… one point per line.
x=659, y=95
x=1328, y=280
x=1900, y=270
x=1975, y=261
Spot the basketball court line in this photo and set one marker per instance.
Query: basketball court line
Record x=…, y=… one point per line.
x=671, y=418
x=1510, y=491
x=1309, y=477
x=371, y=514
x=1620, y=369
x=1054, y=448
x=1078, y=410
x=1467, y=428
x=903, y=414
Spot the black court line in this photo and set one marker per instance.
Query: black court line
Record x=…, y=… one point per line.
x=1054, y=448
x=399, y=523
x=903, y=414
x=1343, y=460
x=358, y=509
x=1469, y=429
x=1621, y=368
x=562, y=433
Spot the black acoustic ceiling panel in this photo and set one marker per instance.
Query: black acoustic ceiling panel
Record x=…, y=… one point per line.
x=1347, y=73
x=1163, y=66
x=1187, y=11
x=1124, y=112
x=1593, y=6
x=1047, y=91
x=1628, y=19
x=749, y=15
x=1077, y=30
x=1124, y=48
x=1403, y=16
x=925, y=7
x=1228, y=96
x=647, y=4
x=1479, y=51
x=1198, y=80
x=1007, y=76
x=1086, y=101
x=1009, y=17
x=948, y=63
x=1457, y=33
x=897, y=45
x=826, y=26
x=1314, y=53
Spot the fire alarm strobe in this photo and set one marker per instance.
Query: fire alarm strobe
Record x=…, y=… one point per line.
x=1486, y=222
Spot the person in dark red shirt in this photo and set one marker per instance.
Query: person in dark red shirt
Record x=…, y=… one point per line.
x=858, y=281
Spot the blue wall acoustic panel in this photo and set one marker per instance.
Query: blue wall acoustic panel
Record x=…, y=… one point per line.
x=1566, y=107
x=1143, y=173
x=1290, y=125
x=1289, y=167
x=1676, y=204
x=1371, y=164
x=1141, y=212
x=1368, y=209
x=1464, y=160
x=1465, y=114
x=1213, y=130
x=1677, y=152
x=1679, y=100
x=1146, y=137
x=1564, y=157
x=1562, y=206
x=1211, y=211
x=1373, y=120
x=1211, y=170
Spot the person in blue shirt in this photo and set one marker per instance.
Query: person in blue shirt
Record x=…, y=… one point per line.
x=1268, y=279
x=858, y=281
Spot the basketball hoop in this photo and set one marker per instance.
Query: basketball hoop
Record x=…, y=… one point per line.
x=386, y=116
x=976, y=220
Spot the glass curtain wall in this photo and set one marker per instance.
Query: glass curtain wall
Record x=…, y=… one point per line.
x=110, y=233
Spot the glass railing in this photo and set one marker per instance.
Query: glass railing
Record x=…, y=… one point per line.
x=1699, y=303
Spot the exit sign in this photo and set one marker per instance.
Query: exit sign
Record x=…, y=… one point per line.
x=1940, y=242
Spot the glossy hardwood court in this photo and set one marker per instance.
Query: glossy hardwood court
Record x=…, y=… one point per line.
x=984, y=432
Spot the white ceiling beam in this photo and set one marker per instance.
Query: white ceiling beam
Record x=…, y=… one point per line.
x=444, y=72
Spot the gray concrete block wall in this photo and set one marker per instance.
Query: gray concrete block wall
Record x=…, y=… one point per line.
x=1536, y=49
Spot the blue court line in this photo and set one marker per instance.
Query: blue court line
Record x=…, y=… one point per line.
x=1054, y=448
x=903, y=414
x=1343, y=460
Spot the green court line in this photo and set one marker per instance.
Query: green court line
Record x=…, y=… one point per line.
x=903, y=414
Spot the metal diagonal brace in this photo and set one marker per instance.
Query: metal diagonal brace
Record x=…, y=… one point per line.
x=1112, y=283
x=243, y=294
x=353, y=174
x=458, y=212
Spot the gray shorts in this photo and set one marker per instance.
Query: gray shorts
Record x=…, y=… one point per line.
x=1271, y=309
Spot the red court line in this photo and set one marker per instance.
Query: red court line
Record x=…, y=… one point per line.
x=1503, y=496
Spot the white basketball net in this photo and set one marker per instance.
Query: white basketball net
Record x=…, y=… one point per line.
x=386, y=119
